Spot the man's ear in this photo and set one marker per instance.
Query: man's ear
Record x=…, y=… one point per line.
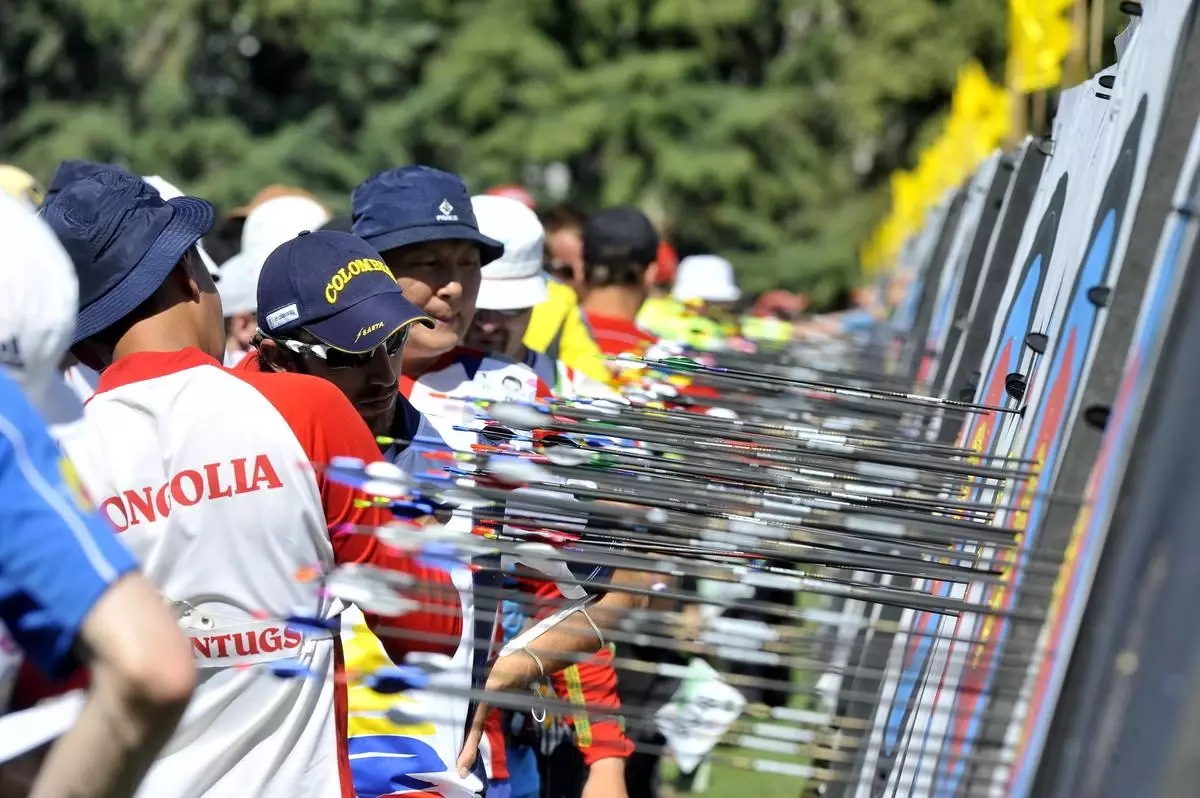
x=271, y=354
x=650, y=277
x=183, y=280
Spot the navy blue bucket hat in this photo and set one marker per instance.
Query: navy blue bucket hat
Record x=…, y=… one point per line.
x=416, y=205
x=74, y=169
x=124, y=240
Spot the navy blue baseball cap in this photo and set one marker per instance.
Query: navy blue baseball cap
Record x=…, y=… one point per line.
x=73, y=169
x=415, y=205
x=336, y=287
x=124, y=240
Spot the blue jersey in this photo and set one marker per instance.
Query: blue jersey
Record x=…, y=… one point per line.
x=57, y=557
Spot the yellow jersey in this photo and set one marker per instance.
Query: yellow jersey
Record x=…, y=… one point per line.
x=557, y=329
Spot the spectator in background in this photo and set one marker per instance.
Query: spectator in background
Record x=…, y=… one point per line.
x=239, y=302
x=564, y=246
x=707, y=291
x=21, y=186
x=773, y=316
x=511, y=287
x=556, y=327
x=226, y=239
x=514, y=192
x=620, y=251
x=660, y=312
x=267, y=226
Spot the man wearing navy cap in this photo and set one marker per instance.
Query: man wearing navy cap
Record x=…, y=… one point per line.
x=206, y=474
x=328, y=306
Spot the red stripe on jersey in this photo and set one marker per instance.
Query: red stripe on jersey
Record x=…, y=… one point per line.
x=615, y=335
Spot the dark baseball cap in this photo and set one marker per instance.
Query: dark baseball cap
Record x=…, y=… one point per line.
x=336, y=287
x=124, y=240
x=416, y=205
x=618, y=236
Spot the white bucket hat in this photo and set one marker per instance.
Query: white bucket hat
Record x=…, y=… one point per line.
x=516, y=280
x=708, y=278
x=269, y=225
x=37, y=306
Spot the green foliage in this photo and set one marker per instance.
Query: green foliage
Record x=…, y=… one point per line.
x=762, y=129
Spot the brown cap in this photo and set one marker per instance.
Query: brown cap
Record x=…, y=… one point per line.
x=269, y=193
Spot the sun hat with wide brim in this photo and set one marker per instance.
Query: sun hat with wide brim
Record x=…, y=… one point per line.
x=124, y=239
x=417, y=205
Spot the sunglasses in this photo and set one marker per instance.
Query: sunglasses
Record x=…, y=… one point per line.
x=337, y=359
x=561, y=270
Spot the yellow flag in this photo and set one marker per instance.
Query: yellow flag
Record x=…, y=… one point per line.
x=1040, y=36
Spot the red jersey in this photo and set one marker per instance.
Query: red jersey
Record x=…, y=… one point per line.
x=615, y=335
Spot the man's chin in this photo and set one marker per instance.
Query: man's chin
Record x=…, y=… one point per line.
x=378, y=417
x=487, y=344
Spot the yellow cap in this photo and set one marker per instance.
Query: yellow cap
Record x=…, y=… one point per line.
x=21, y=186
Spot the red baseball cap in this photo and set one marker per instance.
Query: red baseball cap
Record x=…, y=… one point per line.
x=667, y=259
x=512, y=191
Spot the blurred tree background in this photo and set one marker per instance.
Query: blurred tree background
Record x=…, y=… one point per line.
x=761, y=129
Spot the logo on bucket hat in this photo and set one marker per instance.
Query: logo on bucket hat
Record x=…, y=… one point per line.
x=336, y=287
x=123, y=239
x=416, y=205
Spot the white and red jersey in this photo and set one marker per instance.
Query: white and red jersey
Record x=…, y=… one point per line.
x=206, y=475
x=565, y=382
x=444, y=392
x=442, y=395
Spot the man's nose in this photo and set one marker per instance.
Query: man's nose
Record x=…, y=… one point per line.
x=450, y=290
x=382, y=368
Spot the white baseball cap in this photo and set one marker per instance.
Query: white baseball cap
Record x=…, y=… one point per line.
x=38, y=304
x=515, y=280
x=168, y=191
x=708, y=278
x=269, y=225
x=281, y=219
x=239, y=283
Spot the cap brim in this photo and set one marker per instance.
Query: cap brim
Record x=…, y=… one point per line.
x=365, y=325
x=514, y=294
x=489, y=248
x=192, y=219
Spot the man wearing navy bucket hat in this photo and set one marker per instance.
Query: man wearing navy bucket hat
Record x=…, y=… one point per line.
x=420, y=220
x=129, y=247
x=205, y=472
